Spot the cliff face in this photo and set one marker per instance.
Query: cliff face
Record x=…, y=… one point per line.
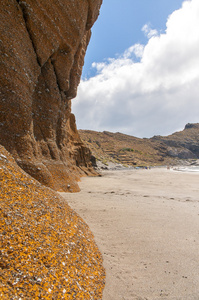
x=46, y=249
x=183, y=144
x=42, y=48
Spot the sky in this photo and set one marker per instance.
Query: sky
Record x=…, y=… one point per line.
x=141, y=72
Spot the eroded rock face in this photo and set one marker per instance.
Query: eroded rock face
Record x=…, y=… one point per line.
x=183, y=144
x=42, y=45
x=47, y=250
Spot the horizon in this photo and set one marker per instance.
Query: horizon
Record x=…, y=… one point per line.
x=137, y=136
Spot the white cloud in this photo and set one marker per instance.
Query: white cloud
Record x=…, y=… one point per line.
x=148, y=31
x=136, y=50
x=157, y=95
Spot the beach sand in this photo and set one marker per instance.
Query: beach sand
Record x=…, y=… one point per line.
x=146, y=224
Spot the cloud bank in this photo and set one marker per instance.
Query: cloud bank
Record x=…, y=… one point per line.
x=150, y=89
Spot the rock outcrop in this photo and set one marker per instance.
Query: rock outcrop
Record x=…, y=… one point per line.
x=183, y=144
x=46, y=250
x=42, y=48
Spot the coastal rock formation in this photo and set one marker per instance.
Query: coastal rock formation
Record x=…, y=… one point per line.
x=46, y=250
x=42, y=48
x=182, y=144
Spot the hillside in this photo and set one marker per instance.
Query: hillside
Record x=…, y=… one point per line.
x=179, y=148
x=183, y=144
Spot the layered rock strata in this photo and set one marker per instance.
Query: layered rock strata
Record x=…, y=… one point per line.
x=42, y=48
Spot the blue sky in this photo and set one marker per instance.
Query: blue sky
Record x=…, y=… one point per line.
x=120, y=25
x=141, y=70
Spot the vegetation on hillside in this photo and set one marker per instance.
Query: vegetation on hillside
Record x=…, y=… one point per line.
x=178, y=148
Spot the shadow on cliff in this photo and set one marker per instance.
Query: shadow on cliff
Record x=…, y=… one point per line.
x=42, y=48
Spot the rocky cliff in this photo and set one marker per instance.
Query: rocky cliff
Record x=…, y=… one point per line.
x=182, y=144
x=42, y=48
x=46, y=249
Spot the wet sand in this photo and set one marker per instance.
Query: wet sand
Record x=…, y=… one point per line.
x=146, y=224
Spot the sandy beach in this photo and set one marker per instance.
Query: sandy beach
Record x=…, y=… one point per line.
x=146, y=224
